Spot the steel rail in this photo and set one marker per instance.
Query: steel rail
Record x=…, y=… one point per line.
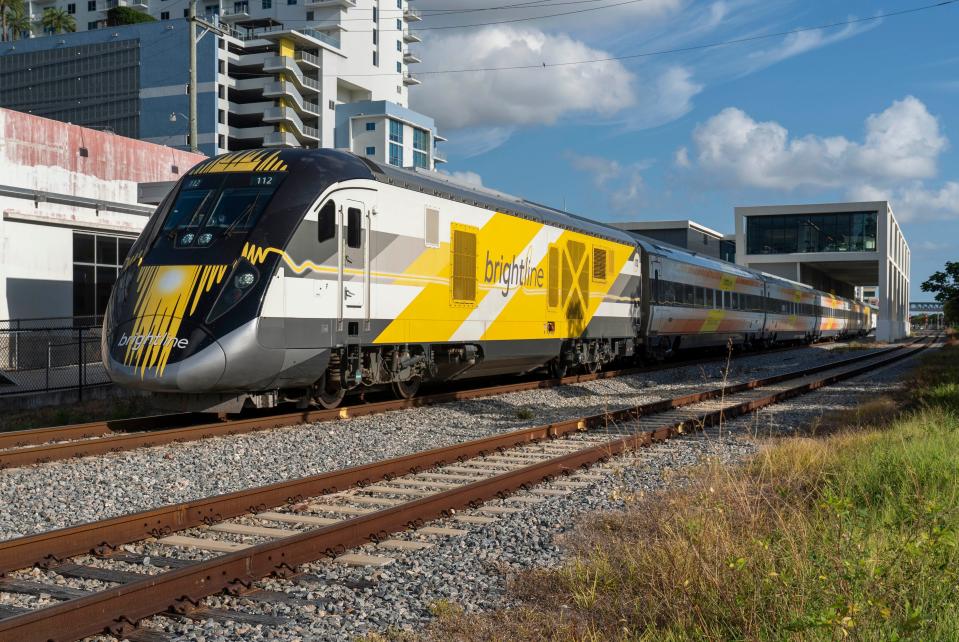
x=118, y=609
x=51, y=547
x=27, y=447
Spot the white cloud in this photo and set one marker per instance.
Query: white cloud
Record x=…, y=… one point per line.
x=663, y=98
x=901, y=143
x=914, y=201
x=466, y=177
x=520, y=97
x=802, y=42
x=623, y=184
x=681, y=158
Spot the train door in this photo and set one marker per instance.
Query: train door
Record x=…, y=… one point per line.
x=354, y=273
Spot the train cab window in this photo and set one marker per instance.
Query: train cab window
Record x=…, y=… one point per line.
x=217, y=205
x=354, y=227
x=326, y=221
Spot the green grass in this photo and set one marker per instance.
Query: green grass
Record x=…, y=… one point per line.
x=852, y=534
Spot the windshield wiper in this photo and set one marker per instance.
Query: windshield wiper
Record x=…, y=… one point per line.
x=243, y=216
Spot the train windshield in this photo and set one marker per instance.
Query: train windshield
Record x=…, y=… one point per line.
x=216, y=206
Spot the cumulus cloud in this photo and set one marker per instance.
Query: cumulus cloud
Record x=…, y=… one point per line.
x=901, y=143
x=520, y=97
x=623, y=184
x=914, y=201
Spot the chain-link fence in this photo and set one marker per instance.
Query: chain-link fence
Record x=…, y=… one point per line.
x=50, y=354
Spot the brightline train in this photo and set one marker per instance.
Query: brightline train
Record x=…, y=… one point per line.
x=273, y=276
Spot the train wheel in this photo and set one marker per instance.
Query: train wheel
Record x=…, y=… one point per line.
x=557, y=369
x=407, y=389
x=327, y=398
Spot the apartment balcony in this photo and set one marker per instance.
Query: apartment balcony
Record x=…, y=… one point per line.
x=438, y=157
x=412, y=15
x=409, y=36
x=410, y=58
x=325, y=4
x=139, y=5
x=291, y=119
x=308, y=59
x=289, y=92
x=410, y=79
x=239, y=11
x=280, y=139
x=288, y=66
x=253, y=133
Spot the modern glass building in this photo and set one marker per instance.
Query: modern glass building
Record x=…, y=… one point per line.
x=834, y=247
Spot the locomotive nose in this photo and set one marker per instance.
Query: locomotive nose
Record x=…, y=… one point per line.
x=158, y=355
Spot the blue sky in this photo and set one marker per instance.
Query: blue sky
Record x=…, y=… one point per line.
x=857, y=112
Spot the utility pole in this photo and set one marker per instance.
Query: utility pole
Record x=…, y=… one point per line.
x=193, y=125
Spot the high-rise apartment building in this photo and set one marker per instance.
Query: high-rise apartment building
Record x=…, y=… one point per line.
x=270, y=73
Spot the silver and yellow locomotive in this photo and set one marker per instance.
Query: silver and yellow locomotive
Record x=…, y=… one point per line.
x=301, y=275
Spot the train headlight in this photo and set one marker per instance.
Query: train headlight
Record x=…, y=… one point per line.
x=244, y=280
x=239, y=284
x=204, y=239
x=187, y=238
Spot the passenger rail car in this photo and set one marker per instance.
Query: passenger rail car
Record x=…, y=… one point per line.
x=301, y=275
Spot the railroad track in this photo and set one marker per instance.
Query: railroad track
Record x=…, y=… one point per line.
x=292, y=523
x=42, y=445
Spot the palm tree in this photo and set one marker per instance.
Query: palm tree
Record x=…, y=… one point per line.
x=8, y=7
x=18, y=22
x=57, y=21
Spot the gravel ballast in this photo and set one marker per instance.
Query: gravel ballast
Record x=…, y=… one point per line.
x=472, y=570
x=55, y=495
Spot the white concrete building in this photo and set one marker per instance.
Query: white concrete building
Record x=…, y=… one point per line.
x=833, y=247
x=69, y=212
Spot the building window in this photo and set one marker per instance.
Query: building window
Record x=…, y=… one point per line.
x=91, y=25
x=266, y=4
x=399, y=45
x=376, y=59
x=71, y=8
x=96, y=259
x=290, y=2
x=803, y=233
x=399, y=4
x=399, y=67
x=221, y=91
x=221, y=141
x=213, y=10
x=91, y=5
x=371, y=151
x=396, y=155
x=399, y=25
x=376, y=13
x=371, y=127
x=396, y=131
x=164, y=15
x=376, y=36
x=186, y=13
x=309, y=16
x=421, y=139
x=421, y=160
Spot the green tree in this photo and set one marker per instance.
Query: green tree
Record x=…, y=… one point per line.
x=945, y=285
x=18, y=22
x=57, y=21
x=127, y=16
x=7, y=9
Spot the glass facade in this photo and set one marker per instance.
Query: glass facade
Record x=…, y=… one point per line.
x=803, y=233
x=96, y=260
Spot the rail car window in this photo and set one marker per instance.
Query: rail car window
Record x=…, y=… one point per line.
x=669, y=292
x=354, y=227
x=326, y=222
x=700, y=296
